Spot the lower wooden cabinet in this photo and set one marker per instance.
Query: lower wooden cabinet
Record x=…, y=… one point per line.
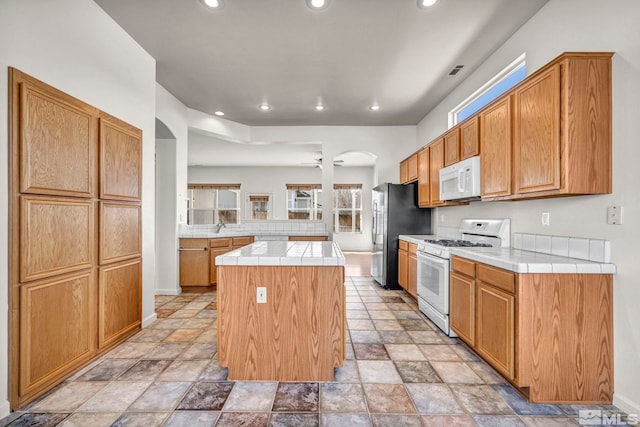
x=57, y=329
x=119, y=301
x=408, y=267
x=550, y=335
x=194, y=262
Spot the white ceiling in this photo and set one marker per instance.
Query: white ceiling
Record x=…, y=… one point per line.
x=350, y=55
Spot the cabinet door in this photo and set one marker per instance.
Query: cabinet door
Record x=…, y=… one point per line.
x=213, y=279
x=120, y=161
x=57, y=328
x=120, y=231
x=536, y=145
x=403, y=268
x=412, y=284
x=412, y=168
x=436, y=162
x=56, y=236
x=462, y=307
x=57, y=143
x=120, y=301
x=423, y=178
x=470, y=138
x=452, y=147
x=495, y=143
x=495, y=327
x=404, y=171
x=194, y=262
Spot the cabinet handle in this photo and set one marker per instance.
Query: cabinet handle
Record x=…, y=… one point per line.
x=194, y=249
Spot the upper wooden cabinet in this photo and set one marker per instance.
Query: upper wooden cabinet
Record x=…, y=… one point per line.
x=424, y=185
x=57, y=143
x=409, y=169
x=120, y=160
x=495, y=142
x=452, y=146
x=436, y=162
x=470, y=138
x=562, y=141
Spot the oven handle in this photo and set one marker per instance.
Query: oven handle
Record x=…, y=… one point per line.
x=433, y=259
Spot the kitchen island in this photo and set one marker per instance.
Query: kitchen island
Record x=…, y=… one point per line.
x=281, y=311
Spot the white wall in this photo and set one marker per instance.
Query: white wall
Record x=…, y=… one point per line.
x=273, y=180
x=579, y=25
x=74, y=46
x=171, y=184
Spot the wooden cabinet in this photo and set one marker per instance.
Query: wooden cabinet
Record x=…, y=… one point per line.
x=562, y=141
x=120, y=301
x=462, y=294
x=408, y=267
x=452, y=146
x=436, y=162
x=424, y=183
x=403, y=264
x=75, y=269
x=536, y=145
x=533, y=329
x=495, y=143
x=412, y=284
x=194, y=262
x=308, y=238
x=221, y=246
x=409, y=169
x=470, y=138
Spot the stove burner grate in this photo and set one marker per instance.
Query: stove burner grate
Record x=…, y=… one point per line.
x=458, y=243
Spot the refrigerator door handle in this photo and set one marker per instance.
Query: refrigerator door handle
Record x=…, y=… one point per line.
x=374, y=223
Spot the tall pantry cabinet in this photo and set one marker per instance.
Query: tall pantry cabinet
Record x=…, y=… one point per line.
x=75, y=234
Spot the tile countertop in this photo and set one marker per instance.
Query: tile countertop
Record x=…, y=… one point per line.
x=416, y=238
x=285, y=253
x=211, y=235
x=521, y=261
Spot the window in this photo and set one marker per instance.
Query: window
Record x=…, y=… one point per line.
x=213, y=203
x=513, y=74
x=347, y=208
x=259, y=206
x=303, y=201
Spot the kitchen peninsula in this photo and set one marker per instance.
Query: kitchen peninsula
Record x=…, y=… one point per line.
x=281, y=311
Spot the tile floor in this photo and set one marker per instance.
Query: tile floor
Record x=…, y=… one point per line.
x=400, y=371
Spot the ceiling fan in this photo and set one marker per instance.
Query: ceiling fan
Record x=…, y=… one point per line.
x=318, y=163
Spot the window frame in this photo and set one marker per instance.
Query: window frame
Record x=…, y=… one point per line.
x=356, y=212
x=315, y=207
x=215, y=188
x=518, y=64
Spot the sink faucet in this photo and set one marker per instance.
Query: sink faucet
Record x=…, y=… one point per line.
x=220, y=226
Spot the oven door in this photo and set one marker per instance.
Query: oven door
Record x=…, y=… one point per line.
x=433, y=281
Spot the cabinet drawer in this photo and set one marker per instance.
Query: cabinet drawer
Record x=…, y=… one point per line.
x=463, y=266
x=403, y=245
x=499, y=278
x=413, y=249
x=220, y=243
x=242, y=241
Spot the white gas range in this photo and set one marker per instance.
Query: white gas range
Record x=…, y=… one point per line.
x=434, y=264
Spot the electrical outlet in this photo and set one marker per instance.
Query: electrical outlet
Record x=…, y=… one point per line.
x=261, y=295
x=615, y=215
x=545, y=218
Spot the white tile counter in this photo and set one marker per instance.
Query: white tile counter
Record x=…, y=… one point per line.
x=416, y=238
x=285, y=253
x=265, y=228
x=521, y=261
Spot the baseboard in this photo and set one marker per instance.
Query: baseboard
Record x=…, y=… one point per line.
x=168, y=291
x=149, y=319
x=626, y=404
x=5, y=409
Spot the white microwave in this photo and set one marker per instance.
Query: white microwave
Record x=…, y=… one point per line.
x=461, y=181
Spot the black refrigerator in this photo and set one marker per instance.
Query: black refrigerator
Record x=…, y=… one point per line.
x=395, y=212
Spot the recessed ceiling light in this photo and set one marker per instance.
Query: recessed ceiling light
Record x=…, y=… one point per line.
x=264, y=107
x=319, y=107
x=426, y=3
x=213, y=4
x=374, y=107
x=219, y=113
x=317, y=4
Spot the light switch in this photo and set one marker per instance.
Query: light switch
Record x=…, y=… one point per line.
x=615, y=215
x=545, y=218
x=261, y=295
